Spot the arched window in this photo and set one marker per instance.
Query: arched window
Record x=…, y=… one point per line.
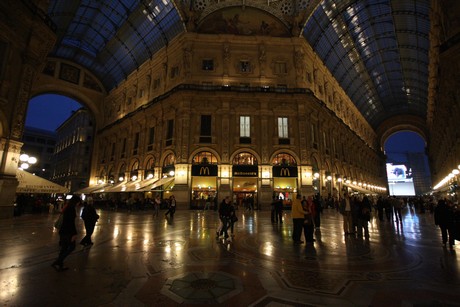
x=244, y=158
x=284, y=159
x=204, y=157
x=169, y=160
x=149, y=169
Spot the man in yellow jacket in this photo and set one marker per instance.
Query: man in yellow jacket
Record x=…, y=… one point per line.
x=298, y=217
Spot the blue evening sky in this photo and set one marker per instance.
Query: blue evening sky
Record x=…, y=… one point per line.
x=49, y=111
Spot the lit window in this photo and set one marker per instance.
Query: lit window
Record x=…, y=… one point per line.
x=283, y=127
x=245, y=126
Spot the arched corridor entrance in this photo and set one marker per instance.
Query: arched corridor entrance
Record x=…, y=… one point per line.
x=407, y=166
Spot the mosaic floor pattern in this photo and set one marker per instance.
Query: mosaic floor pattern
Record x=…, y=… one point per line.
x=140, y=260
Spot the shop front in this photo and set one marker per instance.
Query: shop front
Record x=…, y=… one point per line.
x=245, y=186
x=204, y=186
x=285, y=183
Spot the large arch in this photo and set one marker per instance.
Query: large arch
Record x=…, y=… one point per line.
x=401, y=123
x=90, y=94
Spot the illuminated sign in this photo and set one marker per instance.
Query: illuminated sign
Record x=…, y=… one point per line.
x=284, y=171
x=245, y=171
x=204, y=170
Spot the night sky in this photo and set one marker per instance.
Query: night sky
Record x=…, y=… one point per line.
x=49, y=111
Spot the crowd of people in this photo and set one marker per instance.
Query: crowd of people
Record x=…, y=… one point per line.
x=355, y=209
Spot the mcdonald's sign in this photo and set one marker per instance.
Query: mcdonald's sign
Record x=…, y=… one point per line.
x=204, y=170
x=284, y=171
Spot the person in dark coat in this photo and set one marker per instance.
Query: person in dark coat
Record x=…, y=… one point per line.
x=364, y=216
x=67, y=233
x=90, y=217
x=444, y=218
x=225, y=213
x=171, y=206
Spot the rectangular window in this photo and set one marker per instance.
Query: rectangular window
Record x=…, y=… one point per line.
x=174, y=72
x=280, y=68
x=112, y=154
x=123, y=148
x=156, y=83
x=283, y=128
x=170, y=132
x=314, y=142
x=151, y=138
x=245, y=126
x=136, y=140
x=207, y=65
x=136, y=143
x=205, y=129
x=141, y=93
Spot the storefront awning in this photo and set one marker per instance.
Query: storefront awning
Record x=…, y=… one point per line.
x=29, y=183
x=92, y=189
x=158, y=183
x=359, y=189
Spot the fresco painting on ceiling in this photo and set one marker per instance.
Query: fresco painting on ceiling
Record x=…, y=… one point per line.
x=240, y=21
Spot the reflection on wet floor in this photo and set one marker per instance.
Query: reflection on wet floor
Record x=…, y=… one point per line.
x=141, y=260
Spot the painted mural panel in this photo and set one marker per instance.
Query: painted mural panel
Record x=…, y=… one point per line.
x=247, y=21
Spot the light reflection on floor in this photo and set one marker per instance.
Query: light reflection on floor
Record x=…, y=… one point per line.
x=136, y=257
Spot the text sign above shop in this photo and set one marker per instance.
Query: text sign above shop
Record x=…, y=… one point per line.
x=245, y=171
x=284, y=171
x=204, y=170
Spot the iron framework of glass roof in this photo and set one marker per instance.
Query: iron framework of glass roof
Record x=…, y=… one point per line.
x=113, y=38
x=377, y=51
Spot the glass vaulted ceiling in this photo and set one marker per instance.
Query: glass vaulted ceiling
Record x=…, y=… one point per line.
x=112, y=37
x=377, y=51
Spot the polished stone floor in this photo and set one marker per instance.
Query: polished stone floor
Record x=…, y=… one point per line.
x=140, y=260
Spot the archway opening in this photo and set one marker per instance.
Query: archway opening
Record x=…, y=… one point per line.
x=59, y=132
x=408, y=172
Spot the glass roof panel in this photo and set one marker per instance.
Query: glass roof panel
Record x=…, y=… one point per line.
x=379, y=47
x=100, y=35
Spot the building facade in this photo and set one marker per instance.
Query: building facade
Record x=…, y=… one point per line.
x=40, y=144
x=72, y=153
x=241, y=117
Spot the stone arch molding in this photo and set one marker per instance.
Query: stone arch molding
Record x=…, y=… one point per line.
x=401, y=123
x=74, y=81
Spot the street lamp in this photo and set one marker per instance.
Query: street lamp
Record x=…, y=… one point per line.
x=25, y=161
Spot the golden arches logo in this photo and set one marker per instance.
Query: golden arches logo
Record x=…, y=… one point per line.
x=284, y=172
x=204, y=170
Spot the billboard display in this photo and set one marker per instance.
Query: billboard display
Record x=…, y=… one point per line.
x=400, y=180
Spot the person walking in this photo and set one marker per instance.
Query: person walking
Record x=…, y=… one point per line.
x=298, y=218
x=279, y=211
x=156, y=206
x=345, y=210
x=444, y=218
x=308, y=225
x=171, y=207
x=90, y=217
x=225, y=212
x=67, y=233
x=364, y=216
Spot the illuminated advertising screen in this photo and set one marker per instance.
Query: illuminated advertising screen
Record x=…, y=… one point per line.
x=400, y=180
